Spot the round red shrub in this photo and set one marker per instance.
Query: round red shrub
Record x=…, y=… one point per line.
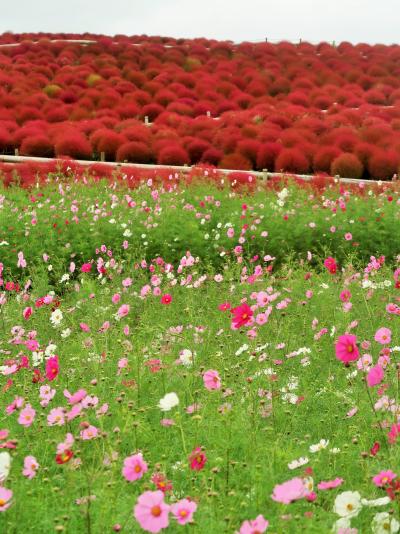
x=109, y=142
x=134, y=152
x=37, y=145
x=267, y=154
x=235, y=161
x=383, y=164
x=292, y=160
x=196, y=149
x=173, y=155
x=74, y=144
x=347, y=166
x=323, y=158
x=212, y=156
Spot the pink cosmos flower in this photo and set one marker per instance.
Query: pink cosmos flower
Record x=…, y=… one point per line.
x=123, y=310
x=291, y=490
x=90, y=432
x=345, y=295
x=74, y=412
x=30, y=466
x=134, y=467
x=56, y=417
x=254, y=526
x=384, y=478
x=84, y=327
x=26, y=416
x=183, y=511
x=5, y=498
x=211, y=380
x=346, y=348
x=375, y=376
x=348, y=236
x=52, y=368
x=151, y=512
x=383, y=336
x=27, y=313
x=86, y=268
x=197, y=459
x=330, y=484
x=66, y=445
x=75, y=397
x=116, y=298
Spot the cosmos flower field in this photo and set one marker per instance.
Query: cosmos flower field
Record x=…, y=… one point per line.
x=199, y=357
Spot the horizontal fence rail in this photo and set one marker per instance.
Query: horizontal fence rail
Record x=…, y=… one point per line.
x=186, y=169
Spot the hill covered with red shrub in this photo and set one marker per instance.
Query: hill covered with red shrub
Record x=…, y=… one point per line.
x=286, y=107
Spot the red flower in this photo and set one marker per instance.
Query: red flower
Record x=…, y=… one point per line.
x=64, y=457
x=375, y=449
x=166, y=299
x=197, y=459
x=225, y=306
x=330, y=264
x=241, y=316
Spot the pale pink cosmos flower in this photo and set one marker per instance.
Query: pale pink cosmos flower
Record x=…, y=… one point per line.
x=74, y=412
x=252, y=526
x=348, y=236
x=84, y=327
x=90, y=432
x=211, y=380
x=134, y=467
x=151, y=512
x=66, y=445
x=123, y=310
x=5, y=498
x=56, y=417
x=30, y=467
x=27, y=416
x=291, y=490
x=116, y=298
x=383, y=336
x=365, y=362
x=183, y=511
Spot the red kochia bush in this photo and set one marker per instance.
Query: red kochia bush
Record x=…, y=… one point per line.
x=347, y=165
x=383, y=164
x=173, y=155
x=235, y=161
x=73, y=143
x=323, y=158
x=292, y=160
x=267, y=154
x=134, y=152
x=212, y=156
x=106, y=141
x=196, y=149
x=37, y=145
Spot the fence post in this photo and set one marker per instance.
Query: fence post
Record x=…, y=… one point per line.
x=265, y=175
x=102, y=156
x=146, y=119
x=16, y=152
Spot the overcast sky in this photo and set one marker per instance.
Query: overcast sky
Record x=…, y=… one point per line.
x=371, y=21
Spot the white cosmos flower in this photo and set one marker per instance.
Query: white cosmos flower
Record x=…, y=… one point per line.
x=37, y=358
x=383, y=523
x=298, y=463
x=56, y=317
x=169, y=401
x=376, y=502
x=319, y=446
x=50, y=350
x=65, y=333
x=5, y=465
x=341, y=524
x=348, y=504
x=186, y=357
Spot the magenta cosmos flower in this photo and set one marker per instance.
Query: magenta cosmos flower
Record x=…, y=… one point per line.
x=383, y=336
x=134, y=467
x=384, y=478
x=211, y=380
x=241, y=316
x=166, y=299
x=346, y=348
x=254, y=526
x=183, y=511
x=330, y=484
x=52, y=368
x=151, y=512
x=5, y=498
